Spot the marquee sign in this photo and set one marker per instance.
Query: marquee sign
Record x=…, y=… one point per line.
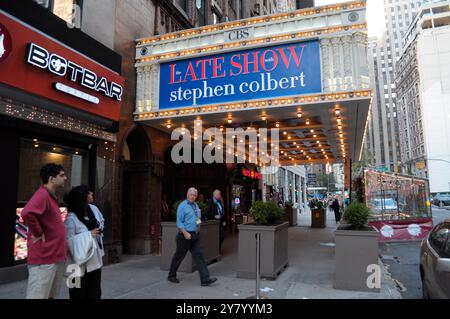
x=39, y=65
x=275, y=71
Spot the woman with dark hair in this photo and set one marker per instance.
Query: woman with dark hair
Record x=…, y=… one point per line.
x=80, y=218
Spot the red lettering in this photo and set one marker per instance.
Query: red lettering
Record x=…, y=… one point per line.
x=263, y=60
x=235, y=65
x=297, y=59
x=203, y=70
x=172, y=75
x=217, y=66
x=190, y=72
x=254, y=62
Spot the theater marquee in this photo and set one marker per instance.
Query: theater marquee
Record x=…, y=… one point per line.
x=282, y=70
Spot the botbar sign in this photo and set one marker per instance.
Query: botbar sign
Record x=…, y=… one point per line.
x=282, y=70
x=37, y=64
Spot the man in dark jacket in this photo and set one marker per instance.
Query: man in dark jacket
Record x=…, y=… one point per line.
x=336, y=208
x=216, y=211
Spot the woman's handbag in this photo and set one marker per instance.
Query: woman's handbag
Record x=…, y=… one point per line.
x=82, y=247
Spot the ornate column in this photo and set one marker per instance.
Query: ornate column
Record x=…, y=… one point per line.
x=337, y=65
x=139, y=93
x=326, y=64
x=362, y=79
x=147, y=88
x=154, y=80
x=348, y=63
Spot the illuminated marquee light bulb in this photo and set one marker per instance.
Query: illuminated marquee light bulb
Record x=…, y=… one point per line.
x=299, y=114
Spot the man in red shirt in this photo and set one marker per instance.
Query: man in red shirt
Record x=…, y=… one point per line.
x=47, y=245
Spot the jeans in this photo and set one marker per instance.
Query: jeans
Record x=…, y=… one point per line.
x=195, y=247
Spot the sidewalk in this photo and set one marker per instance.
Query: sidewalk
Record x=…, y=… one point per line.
x=309, y=274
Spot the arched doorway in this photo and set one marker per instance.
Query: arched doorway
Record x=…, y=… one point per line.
x=139, y=193
x=205, y=177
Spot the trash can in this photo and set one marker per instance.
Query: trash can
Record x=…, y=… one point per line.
x=318, y=218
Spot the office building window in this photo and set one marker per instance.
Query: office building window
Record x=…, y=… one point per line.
x=68, y=10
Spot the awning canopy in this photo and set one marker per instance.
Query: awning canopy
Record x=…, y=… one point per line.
x=304, y=73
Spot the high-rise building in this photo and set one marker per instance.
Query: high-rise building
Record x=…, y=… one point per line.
x=304, y=4
x=422, y=87
x=286, y=5
x=382, y=140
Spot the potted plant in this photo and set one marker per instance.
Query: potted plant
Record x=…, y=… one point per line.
x=289, y=214
x=268, y=223
x=318, y=214
x=356, y=249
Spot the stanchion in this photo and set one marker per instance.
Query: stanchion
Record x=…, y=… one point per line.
x=258, y=269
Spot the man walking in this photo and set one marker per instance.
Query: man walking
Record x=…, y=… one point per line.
x=336, y=208
x=216, y=211
x=188, y=238
x=47, y=248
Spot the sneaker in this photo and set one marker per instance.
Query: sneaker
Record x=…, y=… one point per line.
x=209, y=281
x=173, y=279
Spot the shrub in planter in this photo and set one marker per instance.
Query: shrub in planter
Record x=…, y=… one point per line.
x=266, y=212
x=356, y=215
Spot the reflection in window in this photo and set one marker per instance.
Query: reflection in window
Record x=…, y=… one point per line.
x=74, y=161
x=63, y=9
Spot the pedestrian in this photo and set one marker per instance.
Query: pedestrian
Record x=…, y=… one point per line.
x=188, y=239
x=82, y=217
x=216, y=211
x=46, y=237
x=336, y=208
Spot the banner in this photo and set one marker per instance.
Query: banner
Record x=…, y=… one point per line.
x=276, y=71
x=398, y=230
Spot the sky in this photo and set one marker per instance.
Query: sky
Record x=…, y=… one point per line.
x=375, y=14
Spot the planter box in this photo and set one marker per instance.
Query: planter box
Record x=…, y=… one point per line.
x=209, y=234
x=318, y=218
x=290, y=215
x=274, y=250
x=354, y=251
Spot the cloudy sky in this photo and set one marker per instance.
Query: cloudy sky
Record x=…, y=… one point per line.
x=375, y=13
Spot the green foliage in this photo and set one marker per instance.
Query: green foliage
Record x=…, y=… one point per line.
x=203, y=208
x=357, y=215
x=175, y=206
x=266, y=212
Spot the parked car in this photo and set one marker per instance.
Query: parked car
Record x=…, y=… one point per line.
x=441, y=200
x=435, y=262
x=385, y=204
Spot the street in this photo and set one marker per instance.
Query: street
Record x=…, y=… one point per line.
x=403, y=260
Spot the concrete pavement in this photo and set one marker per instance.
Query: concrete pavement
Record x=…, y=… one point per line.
x=309, y=274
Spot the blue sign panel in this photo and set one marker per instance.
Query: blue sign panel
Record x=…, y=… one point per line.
x=283, y=70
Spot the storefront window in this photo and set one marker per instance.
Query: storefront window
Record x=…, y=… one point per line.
x=297, y=189
x=74, y=161
x=33, y=155
x=281, y=182
x=291, y=186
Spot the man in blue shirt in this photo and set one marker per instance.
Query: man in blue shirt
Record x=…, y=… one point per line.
x=188, y=239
